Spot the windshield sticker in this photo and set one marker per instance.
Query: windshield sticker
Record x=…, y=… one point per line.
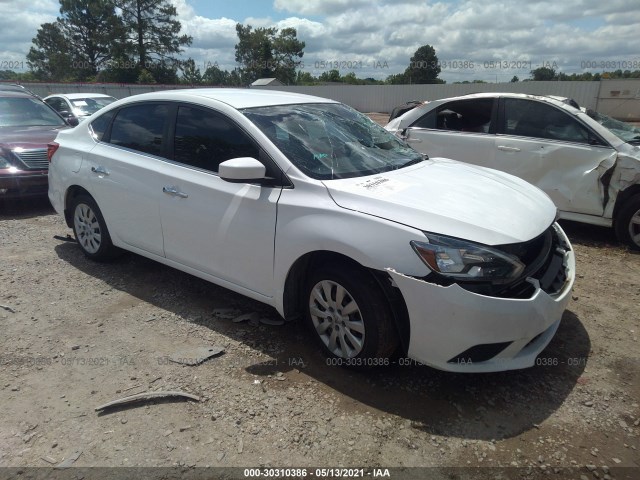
x=79, y=103
x=382, y=185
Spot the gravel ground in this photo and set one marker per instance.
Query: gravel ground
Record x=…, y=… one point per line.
x=77, y=334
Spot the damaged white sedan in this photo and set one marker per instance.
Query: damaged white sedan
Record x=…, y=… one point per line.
x=589, y=164
x=306, y=205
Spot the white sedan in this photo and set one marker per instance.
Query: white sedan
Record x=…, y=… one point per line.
x=306, y=205
x=78, y=105
x=590, y=167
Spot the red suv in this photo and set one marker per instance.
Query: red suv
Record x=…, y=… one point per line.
x=27, y=125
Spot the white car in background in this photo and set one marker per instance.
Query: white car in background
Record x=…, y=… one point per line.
x=78, y=105
x=307, y=205
x=590, y=167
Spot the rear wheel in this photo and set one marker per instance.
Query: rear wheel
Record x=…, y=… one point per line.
x=91, y=230
x=350, y=317
x=628, y=223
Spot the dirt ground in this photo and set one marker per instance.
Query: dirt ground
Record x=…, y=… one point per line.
x=75, y=334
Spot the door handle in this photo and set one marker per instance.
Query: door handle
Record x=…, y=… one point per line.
x=100, y=170
x=508, y=149
x=172, y=190
x=413, y=140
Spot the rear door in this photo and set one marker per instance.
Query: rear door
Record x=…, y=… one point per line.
x=552, y=149
x=125, y=173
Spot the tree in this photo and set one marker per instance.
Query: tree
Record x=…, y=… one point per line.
x=396, y=79
x=267, y=52
x=214, y=75
x=423, y=66
x=330, y=76
x=50, y=58
x=515, y=79
x=79, y=43
x=153, y=32
x=190, y=73
x=543, y=73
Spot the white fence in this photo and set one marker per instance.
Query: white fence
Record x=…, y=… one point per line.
x=618, y=98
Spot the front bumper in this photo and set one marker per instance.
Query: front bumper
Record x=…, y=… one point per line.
x=23, y=184
x=452, y=327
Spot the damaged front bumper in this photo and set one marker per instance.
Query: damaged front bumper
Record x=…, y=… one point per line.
x=457, y=330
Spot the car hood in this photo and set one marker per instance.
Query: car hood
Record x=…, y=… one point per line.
x=451, y=198
x=28, y=137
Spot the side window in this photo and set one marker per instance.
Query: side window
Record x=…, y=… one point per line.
x=472, y=115
x=141, y=127
x=56, y=104
x=527, y=118
x=100, y=125
x=204, y=139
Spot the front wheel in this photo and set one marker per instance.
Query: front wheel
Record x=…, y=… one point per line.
x=91, y=230
x=348, y=314
x=628, y=223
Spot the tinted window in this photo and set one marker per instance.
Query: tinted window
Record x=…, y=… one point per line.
x=527, y=118
x=460, y=116
x=204, y=139
x=140, y=127
x=100, y=125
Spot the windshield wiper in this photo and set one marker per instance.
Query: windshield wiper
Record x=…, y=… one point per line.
x=412, y=162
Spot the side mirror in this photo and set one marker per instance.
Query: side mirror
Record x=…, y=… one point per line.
x=242, y=170
x=73, y=121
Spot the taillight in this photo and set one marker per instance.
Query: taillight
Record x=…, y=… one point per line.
x=51, y=149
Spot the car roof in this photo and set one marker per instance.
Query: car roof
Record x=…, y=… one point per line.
x=72, y=96
x=556, y=100
x=15, y=93
x=235, y=97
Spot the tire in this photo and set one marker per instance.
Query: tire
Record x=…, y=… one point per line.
x=90, y=229
x=628, y=223
x=349, y=316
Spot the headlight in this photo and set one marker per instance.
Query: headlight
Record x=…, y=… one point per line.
x=463, y=260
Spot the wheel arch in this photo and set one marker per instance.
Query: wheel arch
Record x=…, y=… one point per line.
x=293, y=305
x=622, y=197
x=72, y=192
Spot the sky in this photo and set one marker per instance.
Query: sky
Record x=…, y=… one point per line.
x=489, y=40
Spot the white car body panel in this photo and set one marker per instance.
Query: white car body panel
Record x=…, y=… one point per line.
x=570, y=173
x=247, y=237
x=128, y=195
x=229, y=227
x=401, y=196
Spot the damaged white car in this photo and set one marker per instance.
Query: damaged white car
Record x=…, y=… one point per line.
x=307, y=205
x=590, y=167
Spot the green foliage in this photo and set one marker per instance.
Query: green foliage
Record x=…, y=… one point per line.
x=50, y=57
x=423, y=66
x=515, y=79
x=109, y=40
x=145, y=77
x=267, y=52
x=153, y=33
x=543, y=74
x=190, y=73
x=79, y=43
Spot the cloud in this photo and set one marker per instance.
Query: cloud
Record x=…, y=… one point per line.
x=376, y=38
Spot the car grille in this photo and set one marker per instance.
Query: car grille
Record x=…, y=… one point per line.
x=547, y=267
x=34, y=159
